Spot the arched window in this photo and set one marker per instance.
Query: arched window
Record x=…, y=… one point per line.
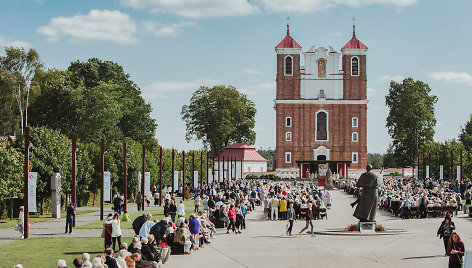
x=288, y=136
x=288, y=65
x=355, y=137
x=321, y=68
x=355, y=122
x=288, y=121
x=321, y=126
x=355, y=66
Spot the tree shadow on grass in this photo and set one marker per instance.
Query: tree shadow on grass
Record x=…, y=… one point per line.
x=93, y=253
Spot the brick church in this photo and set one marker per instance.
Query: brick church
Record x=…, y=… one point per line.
x=321, y=109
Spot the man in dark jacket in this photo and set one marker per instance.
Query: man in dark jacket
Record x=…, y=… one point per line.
x=70, y=217
x=138, y=222
x=109, y=260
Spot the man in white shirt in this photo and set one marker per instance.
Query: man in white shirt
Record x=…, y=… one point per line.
x=146, y=227
x=181, y=208
x=274, y=208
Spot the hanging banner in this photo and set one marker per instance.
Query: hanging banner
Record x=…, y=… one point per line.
x=459, y=173
x=427, y=171
x=147, y=183
x=32, y=179
x=176, y=179
x=106, y=186
x=195, y=180
x=416, y=172
x=210, y=176
x=441, y=171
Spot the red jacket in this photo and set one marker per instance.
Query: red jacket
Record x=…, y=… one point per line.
x=232, y=214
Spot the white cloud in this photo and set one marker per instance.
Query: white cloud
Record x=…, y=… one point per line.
x=195, y=9
x=103, y=25
x=453, y=77
x=251, y=72
x=306, y=6
x=370, y=92
x=5, y=42
x=166, y=29
x=388, y=78
x=161, y=89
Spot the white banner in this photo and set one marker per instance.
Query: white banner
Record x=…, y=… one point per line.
x=427, y=171
x=32, y=178
x=210, y=176
x=106, y=186
x=195, y=180
x=458, y=173
x=147, y=183
x=176, y=180
x=441, y=172
x=416, y=172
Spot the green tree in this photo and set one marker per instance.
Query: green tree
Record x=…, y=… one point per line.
x=465, y=136
x=135, y=121
x=219, y=116
x=11, y=176
x=18, y=70
x=269, y=155
x=411, y=119
x=375, y=159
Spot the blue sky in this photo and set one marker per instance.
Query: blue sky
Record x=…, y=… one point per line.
x=170, y=48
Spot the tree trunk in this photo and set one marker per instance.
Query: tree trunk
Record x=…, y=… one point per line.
x=93, y=202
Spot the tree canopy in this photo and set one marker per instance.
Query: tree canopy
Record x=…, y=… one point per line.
x=219, y=116
x=411, y=118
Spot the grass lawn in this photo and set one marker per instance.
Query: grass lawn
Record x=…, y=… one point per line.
x=46, y=251
x=38, y=218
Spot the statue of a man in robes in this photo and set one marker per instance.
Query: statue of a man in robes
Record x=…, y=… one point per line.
x=367, y=202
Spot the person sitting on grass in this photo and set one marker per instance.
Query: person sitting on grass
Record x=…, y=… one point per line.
x=62, y=264
x=77, y=263
x=122, y=255
x=148, y=257
x=132, y=247
x=110, y=260
x=86, y=260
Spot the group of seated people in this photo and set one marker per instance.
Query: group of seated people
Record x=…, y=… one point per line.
x=410, y=197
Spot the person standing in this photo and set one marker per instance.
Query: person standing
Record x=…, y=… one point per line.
x=274, y=208
x=231, y=218
x=117, y=203
x=291, y=218
x=197, y=203
x=70, y=217
x=116, y=231
x=283, y=208
x=138, y=200
x=21, y=221
x=445, y=231
x=181, y=208
x=308, y=218
x=107, y=230
x=456, y=251
x=173, y=210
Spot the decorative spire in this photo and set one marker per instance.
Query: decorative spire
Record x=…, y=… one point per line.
x=288, y=27
x=353, y=27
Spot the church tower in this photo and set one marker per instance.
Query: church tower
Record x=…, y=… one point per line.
x=321, y=107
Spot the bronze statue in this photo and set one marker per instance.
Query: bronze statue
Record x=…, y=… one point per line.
x=368, y=198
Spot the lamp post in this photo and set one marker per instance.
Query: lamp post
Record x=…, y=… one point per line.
x=102, y=163
x=74, y=172
x=125, y=179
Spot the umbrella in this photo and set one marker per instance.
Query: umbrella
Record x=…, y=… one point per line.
x=138, y=222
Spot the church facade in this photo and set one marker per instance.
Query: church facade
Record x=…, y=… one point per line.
x=321, y=107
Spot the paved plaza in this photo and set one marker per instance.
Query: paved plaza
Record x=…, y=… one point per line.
x=264, y=243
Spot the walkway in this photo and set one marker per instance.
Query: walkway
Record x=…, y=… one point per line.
x=264, y=244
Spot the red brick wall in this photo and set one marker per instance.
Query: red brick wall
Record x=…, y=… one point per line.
x=288, y=87
x=303, y=132
x=355, y=87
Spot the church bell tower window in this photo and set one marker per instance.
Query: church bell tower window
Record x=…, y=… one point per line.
x=288, y=65
x=354, y=66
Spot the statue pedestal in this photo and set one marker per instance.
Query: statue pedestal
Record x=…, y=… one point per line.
x=367, y=227
x=56, y=195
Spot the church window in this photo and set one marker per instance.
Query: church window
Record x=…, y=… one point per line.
x=321, y=126
x=355, y=122
x=322, y=94
x=288, y=121
x=355, y=157
x=288, y=65
x=355, y=137
x=288, y=157
x=355, y=66
x=288, y=136
x=321, y=68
